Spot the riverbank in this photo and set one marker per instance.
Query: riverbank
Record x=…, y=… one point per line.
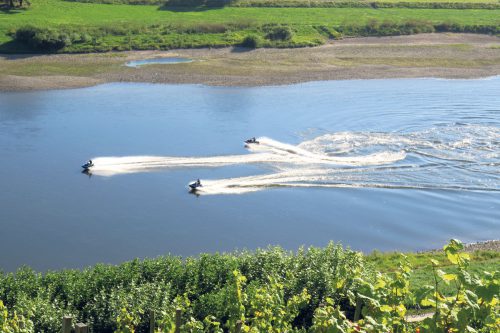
x=455, y=56
x=491, y=245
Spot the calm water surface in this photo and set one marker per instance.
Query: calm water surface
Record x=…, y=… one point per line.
x=375, y=164
x=160, y=61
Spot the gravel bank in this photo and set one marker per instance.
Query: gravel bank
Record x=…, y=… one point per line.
x=426, y=55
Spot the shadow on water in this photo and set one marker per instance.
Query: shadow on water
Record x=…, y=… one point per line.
x=194, y=193
x=87, y=172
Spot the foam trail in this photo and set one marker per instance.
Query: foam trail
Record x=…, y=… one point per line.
x=269, y=152
x=447, y=157
x=110, y=166
x=298, y=155
x=341, y=178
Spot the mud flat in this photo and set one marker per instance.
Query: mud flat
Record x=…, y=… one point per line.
x=457, y=56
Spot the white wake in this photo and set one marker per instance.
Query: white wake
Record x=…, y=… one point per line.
x=452, y=157
x=268, y=152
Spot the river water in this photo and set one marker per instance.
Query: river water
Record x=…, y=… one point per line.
x=373, y=164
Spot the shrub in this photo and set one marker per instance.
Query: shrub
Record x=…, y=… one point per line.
x=250, y=41
x=279, y=33
x=48, y=40
x=25, y=34
x=320, y=289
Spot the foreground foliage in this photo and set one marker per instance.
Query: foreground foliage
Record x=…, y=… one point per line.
x=314, y=290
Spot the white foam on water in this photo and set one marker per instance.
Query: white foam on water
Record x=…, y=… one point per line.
x=110, y=166
x=299, y=155
x=269, y=152
x=451, y=157
x=321, y=178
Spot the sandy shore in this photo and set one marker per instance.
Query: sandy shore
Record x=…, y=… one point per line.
x=424, y=55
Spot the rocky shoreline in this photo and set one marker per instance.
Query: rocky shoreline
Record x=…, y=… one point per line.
x=489, y=245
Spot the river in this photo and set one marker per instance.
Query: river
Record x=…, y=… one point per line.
x=402, y=164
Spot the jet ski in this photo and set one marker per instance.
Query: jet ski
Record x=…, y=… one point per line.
x=195, y=185
x=252, y=140
x=88, y=165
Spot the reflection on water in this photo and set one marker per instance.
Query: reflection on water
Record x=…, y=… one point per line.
x=157, y=61
x=387, y=164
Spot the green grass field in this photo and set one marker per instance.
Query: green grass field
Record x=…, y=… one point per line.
x=145, y=25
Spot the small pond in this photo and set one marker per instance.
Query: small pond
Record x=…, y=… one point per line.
x=155, y=61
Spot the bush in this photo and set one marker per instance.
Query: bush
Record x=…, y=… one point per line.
x=250, y=41
x=48, y=40
x=97, y=295
x=279, y=33
x=315, y=290
x=25, y=34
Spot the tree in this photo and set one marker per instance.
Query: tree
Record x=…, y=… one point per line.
x=16, y=3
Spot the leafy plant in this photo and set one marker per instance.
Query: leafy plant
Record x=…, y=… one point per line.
x=320, y=290
x=13, y=323
x=475, y=305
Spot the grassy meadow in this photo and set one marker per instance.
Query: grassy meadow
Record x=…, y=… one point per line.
x=87, y=27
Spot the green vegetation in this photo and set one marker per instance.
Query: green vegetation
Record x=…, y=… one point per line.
x=313, y=290
x=434, y=4
x=251, y=41
x=437, y=4
x=63, y=26
x=278, y=32
x=8, y=5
